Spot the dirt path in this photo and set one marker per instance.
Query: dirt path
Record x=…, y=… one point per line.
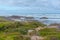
x=35, y=37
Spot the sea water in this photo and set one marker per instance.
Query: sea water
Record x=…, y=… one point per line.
x=52, y=17
x=50, y=21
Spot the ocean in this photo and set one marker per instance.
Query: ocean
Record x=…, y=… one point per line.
x=52, y=17
x=50, y=21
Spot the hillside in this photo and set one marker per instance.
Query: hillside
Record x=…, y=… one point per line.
x=18, y=30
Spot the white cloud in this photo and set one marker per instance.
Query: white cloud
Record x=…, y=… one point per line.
x=55, y=4
x=31, y=5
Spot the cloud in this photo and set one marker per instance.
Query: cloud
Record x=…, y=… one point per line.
x=56, y=4
x=24, y=2
x=33, y=6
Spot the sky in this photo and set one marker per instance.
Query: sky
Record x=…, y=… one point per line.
x=29, y=7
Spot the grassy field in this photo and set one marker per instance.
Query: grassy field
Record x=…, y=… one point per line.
x=50, y=33
x=14, y=30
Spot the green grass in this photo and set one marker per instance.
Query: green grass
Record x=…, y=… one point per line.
x=13, y=30
x=49, y=33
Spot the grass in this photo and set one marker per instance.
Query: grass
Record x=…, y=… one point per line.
x=50, y=33
x=14, y=30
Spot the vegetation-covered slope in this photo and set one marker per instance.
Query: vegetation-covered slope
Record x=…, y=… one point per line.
x=12, y=30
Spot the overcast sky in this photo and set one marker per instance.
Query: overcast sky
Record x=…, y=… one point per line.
x=29, y=6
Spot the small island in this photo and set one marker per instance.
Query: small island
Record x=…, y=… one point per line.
x=43, y=18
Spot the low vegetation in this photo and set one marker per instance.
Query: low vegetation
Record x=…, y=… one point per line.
x=12, y=30
x=50, y=34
